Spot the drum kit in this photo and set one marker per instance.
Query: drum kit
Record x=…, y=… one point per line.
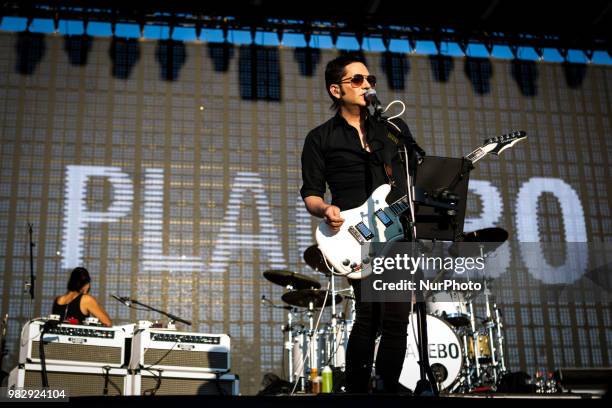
x=466, y=351
x=313, y=345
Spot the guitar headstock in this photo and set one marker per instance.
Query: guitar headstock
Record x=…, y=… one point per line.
x=498, y=144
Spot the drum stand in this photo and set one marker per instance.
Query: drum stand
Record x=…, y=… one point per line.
x=500, y=339
x=297, y=369
x=489, y=323
x=312, y=337
x=334, y=321
x=492, y=322
x=289, y=344
x=475, y=343
x=467, y=367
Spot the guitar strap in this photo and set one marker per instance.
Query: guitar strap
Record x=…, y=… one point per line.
x=386, y=134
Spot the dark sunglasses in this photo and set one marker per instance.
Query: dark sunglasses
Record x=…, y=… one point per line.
x=357, y=80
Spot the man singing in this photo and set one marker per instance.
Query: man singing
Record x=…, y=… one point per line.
x=352, y=154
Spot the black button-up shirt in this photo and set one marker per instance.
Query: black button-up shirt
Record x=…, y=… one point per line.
x=333, y=154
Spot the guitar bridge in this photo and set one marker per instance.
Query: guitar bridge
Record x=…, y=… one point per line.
x=364, y=231
x=356, y=235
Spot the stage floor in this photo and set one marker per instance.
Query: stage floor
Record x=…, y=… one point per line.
x=346, y=401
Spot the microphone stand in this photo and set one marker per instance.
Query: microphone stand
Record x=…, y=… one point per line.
x=174, y=318
x=32, y=278
x=427, y=384
x=29, y=286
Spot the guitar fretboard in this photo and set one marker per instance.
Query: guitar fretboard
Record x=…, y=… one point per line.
x=399, y=206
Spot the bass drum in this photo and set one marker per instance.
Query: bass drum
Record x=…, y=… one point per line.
x=445, y=355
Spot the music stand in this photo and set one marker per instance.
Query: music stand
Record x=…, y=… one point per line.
x=439, y=205
x=441, y=190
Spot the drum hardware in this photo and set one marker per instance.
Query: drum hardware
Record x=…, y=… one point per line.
x=500, y=339
x=309, y=347
x=288, y=330
x=294, y=282
x=477, y=342
x=489, y=327
x=489, y=239
x=303, y=296
x=473, y=339
x=310, y=297
x=291, y=280
x=483, y=346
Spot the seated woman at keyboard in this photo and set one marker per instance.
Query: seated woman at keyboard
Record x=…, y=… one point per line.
x=77, y=304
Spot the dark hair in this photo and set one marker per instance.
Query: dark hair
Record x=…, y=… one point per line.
x=79, y=277
x=335, y=70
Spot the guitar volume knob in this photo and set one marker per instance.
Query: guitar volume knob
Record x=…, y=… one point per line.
x=346, y=262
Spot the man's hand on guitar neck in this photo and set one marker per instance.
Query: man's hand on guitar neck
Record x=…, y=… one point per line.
x=330, y=213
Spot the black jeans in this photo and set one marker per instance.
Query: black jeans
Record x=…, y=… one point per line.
x=390, y=320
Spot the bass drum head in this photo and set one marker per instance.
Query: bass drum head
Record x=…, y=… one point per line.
x=445, y=354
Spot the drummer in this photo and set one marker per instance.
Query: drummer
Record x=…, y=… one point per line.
x=77, y=304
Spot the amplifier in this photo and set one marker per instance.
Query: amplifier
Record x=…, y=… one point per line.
x=71, y=344
x=75, y=380
x=172, y=350
x=170, y=382
x=585, y=380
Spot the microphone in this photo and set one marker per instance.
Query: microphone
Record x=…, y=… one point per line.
x=125, y=300
x=372, y=99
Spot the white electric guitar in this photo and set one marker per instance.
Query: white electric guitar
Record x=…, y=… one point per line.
x=377, y=221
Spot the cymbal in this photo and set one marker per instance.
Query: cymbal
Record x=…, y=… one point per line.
x=289, y=278
x=302, y=298
x=490, y=238
x=314, y=259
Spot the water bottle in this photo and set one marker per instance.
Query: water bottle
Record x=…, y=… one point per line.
x=328, y=380
x=315, y=383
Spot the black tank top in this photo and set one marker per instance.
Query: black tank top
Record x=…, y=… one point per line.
x=71, y=309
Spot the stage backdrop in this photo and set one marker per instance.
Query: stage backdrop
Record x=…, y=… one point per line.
x=172, y=172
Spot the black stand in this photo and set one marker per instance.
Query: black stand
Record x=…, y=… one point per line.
x=129, y=302
x=3, y=350
x=427, y=384
x=30, y=284
x=441, y=200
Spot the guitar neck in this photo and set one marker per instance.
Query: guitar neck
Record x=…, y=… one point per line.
x=400, y=205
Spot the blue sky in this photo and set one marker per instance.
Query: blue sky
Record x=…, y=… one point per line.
x=99, y=29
